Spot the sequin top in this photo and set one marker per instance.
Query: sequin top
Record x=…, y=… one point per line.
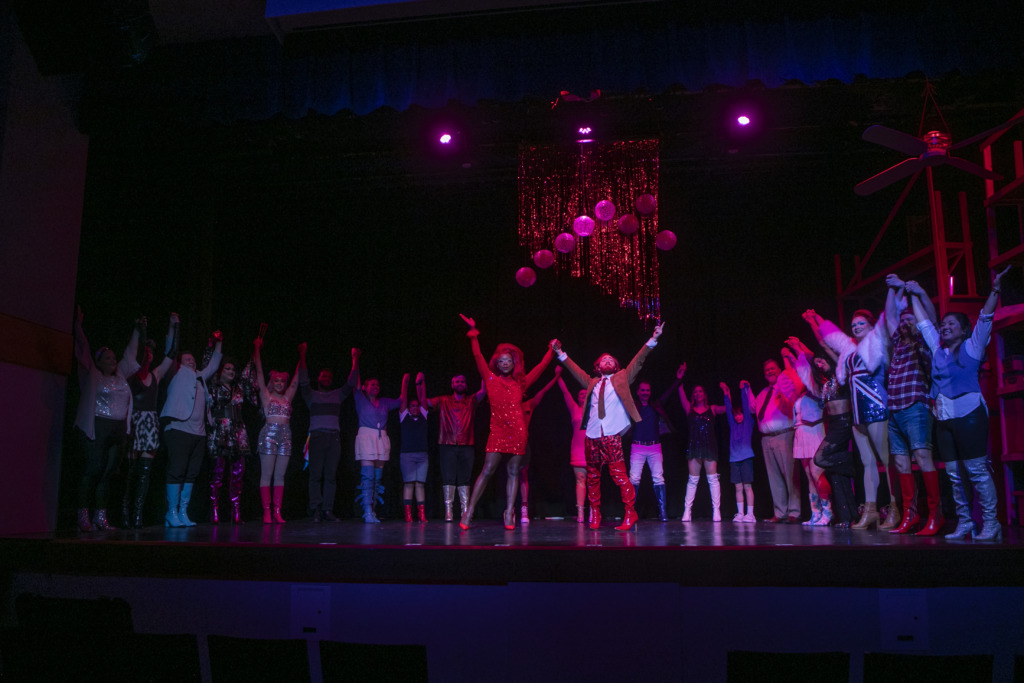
x=703, y=443
x=278, y=407
x=113, y=396
x=834, y=391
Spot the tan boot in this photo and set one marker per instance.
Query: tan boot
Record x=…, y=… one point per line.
x=869, y=518
x=892, y=520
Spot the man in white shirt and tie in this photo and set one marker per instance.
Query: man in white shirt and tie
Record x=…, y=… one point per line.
x=607, y=414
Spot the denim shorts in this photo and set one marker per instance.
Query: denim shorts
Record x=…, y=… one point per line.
x=742, y=472
x=414, y=466
x=910, y=429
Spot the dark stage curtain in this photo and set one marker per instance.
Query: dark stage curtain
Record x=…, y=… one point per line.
x=428, y=64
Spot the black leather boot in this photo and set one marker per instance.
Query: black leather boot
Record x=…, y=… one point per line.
x=143, y=469
x=126, y=499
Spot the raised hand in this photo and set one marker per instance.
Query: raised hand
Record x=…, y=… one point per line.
x=744, y=384
x=725, y=388
x=912, y=287
x=469, y=321
x=998, y=278
x=785, y=381
x=356, y=353
x=681, y=371
x=657, y=330
x=217, y=335
x=257, y=343
x=893, y=281
x=175, y=320
x=302, y=348
x=420, y=377
x=556, y=346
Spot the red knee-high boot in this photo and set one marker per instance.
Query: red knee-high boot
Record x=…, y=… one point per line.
x=265, y=501
x=594, y=494
x=619, y=476
x=910, y=516
x=935, y=519
x=278, y=499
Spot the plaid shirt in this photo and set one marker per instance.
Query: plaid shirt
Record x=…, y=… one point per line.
x=909, y=372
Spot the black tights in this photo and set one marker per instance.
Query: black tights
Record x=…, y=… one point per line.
x=101, y=455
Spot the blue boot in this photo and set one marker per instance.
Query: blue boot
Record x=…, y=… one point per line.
x=173, y=496
x=659, y=495
x=378, y=488
x=367, y=493
x=186, y=496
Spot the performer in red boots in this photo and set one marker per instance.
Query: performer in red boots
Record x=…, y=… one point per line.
x=910, y=417
x=608, y=409
x=275, y=440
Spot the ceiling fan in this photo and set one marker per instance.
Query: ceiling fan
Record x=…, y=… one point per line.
x=931, y=149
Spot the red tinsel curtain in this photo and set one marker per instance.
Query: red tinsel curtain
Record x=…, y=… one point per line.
x=559, y=185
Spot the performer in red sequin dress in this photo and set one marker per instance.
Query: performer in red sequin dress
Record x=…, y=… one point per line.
x=505, y=382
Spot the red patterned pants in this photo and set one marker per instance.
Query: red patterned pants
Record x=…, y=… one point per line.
x=607, y=450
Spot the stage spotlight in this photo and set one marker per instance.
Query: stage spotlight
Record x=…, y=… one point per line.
x=447, y=140
x=584, y=134
x=741, y=124
x=743, y=121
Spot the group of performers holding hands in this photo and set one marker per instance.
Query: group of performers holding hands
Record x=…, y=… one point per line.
x=901, y=386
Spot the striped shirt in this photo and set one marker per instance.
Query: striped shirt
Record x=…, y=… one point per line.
x=324, y=406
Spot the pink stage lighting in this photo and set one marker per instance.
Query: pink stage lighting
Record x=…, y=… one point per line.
x=445, y=139
x=585, y=134
x=743, y=120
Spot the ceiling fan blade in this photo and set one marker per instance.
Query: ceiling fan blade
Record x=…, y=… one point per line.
x=981, y=136
x=888, y=177
x=972, y=167
x=894, y=139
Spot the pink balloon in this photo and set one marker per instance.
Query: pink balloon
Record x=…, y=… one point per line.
x=544, y=258
x=583, y=226
x=646, y=204
x=628, y=224
x=526, y=276
x=565, y=242
x=665, y=240
x=605, y=210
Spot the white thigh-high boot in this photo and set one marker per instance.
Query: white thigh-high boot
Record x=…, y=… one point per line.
x=691, y=493
x=716, y=497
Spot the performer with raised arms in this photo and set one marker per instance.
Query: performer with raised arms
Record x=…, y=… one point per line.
x=505, y=381
x=608, y=411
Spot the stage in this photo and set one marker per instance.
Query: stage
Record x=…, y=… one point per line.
x=673, y=601
x=700, y=553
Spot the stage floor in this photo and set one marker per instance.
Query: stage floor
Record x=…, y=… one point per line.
x=701, y=553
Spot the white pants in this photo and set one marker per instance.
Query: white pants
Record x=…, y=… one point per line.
x=638, y=455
